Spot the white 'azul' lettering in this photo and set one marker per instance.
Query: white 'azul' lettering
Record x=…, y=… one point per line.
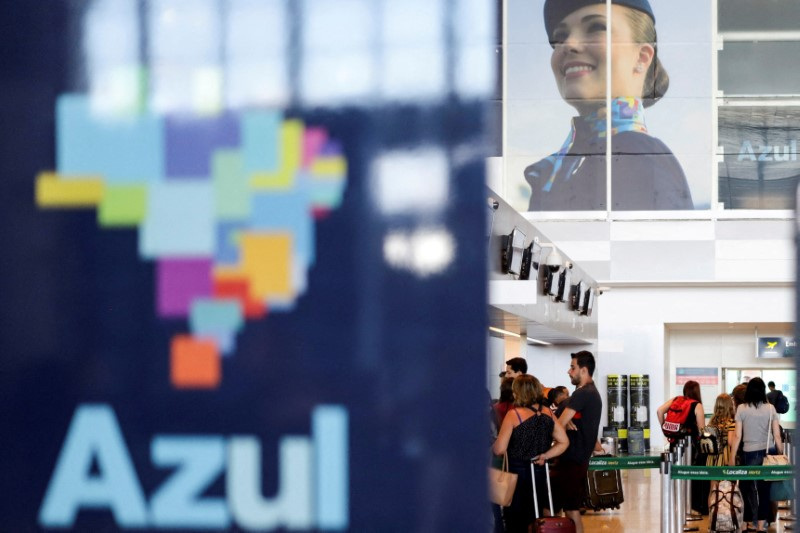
x=94, y=435
x=312, y=477
x=746, y=152
x=291, y=506
x=768, y=152
x=177, y=502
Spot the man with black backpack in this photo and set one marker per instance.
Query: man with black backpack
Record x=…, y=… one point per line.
x=777, y=398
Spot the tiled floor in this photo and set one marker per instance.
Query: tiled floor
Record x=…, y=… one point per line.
x=641, y=511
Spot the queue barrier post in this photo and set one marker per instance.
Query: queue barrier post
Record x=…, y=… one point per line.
x=788, y=448
x=687, y=460
x=677, y=490
x=666, y=493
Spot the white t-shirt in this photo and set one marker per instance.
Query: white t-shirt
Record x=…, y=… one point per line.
x=755, y=422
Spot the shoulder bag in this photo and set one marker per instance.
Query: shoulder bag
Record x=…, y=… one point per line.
x=773, y=460
x=502, y=484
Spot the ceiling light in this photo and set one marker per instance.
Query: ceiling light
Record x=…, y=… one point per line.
x=504, y=332
x=537, y=341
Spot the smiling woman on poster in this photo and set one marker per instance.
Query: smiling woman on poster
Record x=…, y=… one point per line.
x=646, y=175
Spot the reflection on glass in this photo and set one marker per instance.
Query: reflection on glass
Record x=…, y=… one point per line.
x=423, y=252
x=645, y=173
x=410, y=181
x=338, y=40
x=474, y=27
x=759, y=168
x=113, y=71
x=413, y=62
x=256, y=46
x=184, y=55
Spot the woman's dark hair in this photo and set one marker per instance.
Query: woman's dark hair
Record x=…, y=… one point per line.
x=656, y=82
x=551, y=396
x=738, y=394
x=691, y=389
x=506, y=394
x=755, y=392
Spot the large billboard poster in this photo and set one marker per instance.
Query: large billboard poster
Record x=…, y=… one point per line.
x=661, y=106
x=230, y=288
x=760, y=167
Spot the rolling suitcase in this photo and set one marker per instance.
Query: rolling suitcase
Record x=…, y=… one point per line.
x=548, y=524
x=604, y=490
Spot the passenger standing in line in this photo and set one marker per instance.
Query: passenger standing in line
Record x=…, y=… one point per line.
x=581, y=419
x=559, y=399
x=505, y=402
x=516, y=366
x=528, y=431
x=755, y=419
x=723, y=422
x=694, y=423
x=773, y=393
x=737, y=394
x=691, y=390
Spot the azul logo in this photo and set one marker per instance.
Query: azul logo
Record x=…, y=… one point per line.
x=225, y=206
x=312, y=475
x=768, y=152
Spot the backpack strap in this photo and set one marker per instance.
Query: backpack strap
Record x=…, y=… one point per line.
x=717, y=498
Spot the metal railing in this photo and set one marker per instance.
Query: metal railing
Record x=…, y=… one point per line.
x=676, y=472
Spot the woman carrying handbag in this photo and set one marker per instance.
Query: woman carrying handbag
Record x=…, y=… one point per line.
x=755, y=420
x=529, y=430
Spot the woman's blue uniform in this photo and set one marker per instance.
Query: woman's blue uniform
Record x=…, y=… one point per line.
x=645, y=173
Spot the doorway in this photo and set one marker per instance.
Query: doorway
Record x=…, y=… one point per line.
x=784, y=379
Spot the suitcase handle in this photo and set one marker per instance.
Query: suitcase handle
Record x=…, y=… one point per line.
x=533, y=482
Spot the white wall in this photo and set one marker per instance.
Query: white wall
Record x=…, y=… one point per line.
x=633, y=326
x=548, y=363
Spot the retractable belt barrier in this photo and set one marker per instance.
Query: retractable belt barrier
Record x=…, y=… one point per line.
x=675, y=492
x=767, y=473
x=633, y=462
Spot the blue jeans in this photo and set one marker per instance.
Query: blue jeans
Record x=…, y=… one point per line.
x=756, y=493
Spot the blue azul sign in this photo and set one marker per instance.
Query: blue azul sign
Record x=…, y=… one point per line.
x=233, y=272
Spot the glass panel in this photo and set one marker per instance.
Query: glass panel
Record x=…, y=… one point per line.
x=555, y=153
x=412, y=39
x=184, y=52
x=747, y=15
x=661, y=144
x=785, y=381
x=339, y=40
x=759, y=68
x=256, y=43
x=661, y=156
x=759, y=169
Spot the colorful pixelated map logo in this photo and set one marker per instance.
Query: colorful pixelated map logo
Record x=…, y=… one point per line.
x=224, y=204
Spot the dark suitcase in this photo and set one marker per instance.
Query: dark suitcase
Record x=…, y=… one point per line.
x=548, y=524
x=604, y=490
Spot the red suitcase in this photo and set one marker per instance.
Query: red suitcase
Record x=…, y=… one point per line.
x=548, y=524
